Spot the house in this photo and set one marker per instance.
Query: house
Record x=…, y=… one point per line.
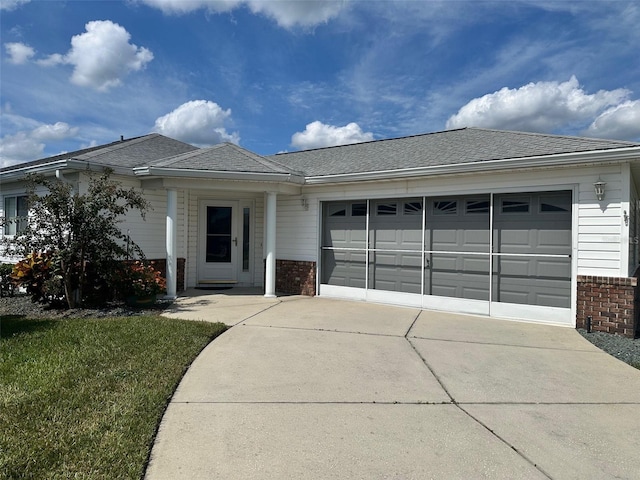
x=497, y=223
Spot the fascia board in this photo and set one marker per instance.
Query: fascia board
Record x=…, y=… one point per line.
x=563, y=160
x=219, y=175
x=219, y=185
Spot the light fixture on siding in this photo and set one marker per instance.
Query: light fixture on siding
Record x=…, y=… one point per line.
x=304, y=202
x=599, y=188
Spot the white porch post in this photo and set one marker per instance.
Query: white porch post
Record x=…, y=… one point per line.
x=171, y=241
x=270, y=245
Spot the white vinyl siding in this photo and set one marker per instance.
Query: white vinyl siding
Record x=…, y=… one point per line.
x=150, y=233
x=297, y=232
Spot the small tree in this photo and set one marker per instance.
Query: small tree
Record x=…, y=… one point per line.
x=80, y=230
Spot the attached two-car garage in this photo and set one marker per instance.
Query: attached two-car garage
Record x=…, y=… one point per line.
x=492, y=254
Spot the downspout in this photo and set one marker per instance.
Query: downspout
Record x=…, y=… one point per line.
x=62, y=178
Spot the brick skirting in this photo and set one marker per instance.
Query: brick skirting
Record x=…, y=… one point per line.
x=611, y=302
x=161, y=265
x=296, y=277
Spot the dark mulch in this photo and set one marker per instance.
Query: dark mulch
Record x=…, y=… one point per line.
x=23, y=306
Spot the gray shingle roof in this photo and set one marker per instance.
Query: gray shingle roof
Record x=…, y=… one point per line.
x=136, y=152
x=129, y=153
x=466, y=145
x=224, y=157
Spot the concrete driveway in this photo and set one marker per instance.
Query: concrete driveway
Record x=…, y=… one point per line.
x=314, y=388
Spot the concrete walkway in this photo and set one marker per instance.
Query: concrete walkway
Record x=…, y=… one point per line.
x=313, y=388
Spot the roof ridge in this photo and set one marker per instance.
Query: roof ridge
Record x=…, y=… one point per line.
x=165, y=162
x=379, y=140
x=552, y=135
x=514, y=132
x=117, y=145
x=264, y=161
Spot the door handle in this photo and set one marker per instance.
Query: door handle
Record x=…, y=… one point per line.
x=235, y=241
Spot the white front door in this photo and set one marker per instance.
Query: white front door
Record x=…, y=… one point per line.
x=218, y=242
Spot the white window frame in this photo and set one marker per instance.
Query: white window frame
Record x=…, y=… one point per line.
x=14, y=223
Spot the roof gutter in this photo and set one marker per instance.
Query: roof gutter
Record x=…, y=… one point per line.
x=565, y=159
x=219, y=175
x=59, y=166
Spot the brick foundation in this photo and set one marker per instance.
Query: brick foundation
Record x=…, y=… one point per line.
x=611, y=302
x=161, y=264
x=296, y=277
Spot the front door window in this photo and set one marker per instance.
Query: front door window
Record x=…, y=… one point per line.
x=218, y=235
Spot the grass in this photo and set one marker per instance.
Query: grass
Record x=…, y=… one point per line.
x=82, y=398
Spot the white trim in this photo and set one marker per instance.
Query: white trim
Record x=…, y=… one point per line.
x=625, y=178
x=395, y=298
x=462, y=305
x=218, y=174
x=575, y=236
x=533, y=313
x=347, y=293
x=507, y=311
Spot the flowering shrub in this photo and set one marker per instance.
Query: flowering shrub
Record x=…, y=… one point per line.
x=142, y=280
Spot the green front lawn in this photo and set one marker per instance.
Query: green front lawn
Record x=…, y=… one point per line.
x=82, y=398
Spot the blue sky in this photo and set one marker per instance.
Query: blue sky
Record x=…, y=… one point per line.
x=276, y=75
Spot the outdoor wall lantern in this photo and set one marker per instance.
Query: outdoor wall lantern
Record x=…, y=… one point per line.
x=599, y=188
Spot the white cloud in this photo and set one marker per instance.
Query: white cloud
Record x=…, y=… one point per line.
x=180, y=7
x=101, y=56
x=11, y=4
x=537, y=107
x=289, y=13
x=199, y=122
x=619, y=122
x=29, y=145
x=57, y=131
x=19, y=53
x=318, y=135
x=286, y=13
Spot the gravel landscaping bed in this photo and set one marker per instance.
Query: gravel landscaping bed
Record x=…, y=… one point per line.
x=623, y=348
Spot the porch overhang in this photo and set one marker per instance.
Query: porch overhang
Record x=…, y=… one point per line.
x=162, y=178
x=219, y=185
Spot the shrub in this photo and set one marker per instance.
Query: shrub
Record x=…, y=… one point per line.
x=32, y=273
x=141, y=280
x=81, y=229
x=7, y=286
